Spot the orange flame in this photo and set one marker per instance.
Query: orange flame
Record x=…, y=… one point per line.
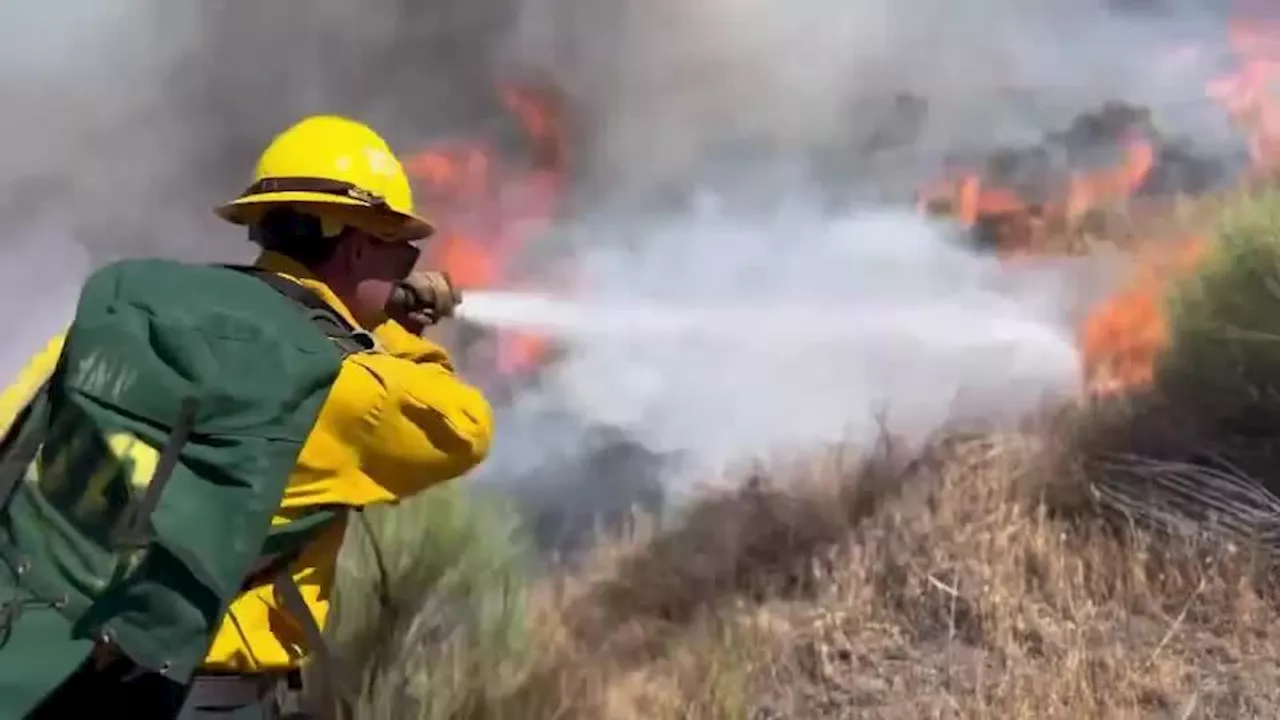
x=1018, y=227
x=1090, y=190
x=1249, y=93
x=970, y=199
x=489, y=207
x=1122, y=339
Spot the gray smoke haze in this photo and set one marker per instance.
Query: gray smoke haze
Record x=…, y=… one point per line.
x=668, y=84
x=125, y=123
x=124, y=126
x=751, y=104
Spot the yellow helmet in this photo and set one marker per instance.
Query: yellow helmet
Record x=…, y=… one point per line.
x=337, y=169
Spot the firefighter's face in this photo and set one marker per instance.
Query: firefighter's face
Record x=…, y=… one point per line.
x=375, y=266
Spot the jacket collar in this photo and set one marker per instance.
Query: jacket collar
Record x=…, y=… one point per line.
x=291, y=269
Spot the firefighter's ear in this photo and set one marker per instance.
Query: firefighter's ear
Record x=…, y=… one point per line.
x=352, y=246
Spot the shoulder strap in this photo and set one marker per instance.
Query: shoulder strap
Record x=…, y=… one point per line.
x=287, y=541
x=347, y=338
x=274, y=566
x=30, y=430
x=22, y=443
x=133, y=531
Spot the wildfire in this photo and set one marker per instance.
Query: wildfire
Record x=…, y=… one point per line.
x=1249, y=93
x=976, y=196
x=489, y=207
x=1121, y=340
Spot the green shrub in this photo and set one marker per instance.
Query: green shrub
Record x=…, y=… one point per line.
x=1223, y=363
x=430, y=603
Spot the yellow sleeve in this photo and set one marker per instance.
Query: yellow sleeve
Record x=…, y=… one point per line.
x=15, y=397
x=401, y=343
x=390, y=428
x=394, y=424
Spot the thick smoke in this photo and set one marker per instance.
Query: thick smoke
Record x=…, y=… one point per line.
x=717, y=338
x=125, y=123
x=669, y=85
x=125, y=126
x=807, y=124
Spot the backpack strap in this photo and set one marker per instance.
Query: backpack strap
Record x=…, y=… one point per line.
x=283, y=545
x=286, y=546
x=22, y=444
x=133, y=530
x=348, y=338
x=30, y=429
x=273, y=564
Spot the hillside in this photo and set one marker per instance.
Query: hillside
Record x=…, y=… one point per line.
x=986, y=576
x=946, y=588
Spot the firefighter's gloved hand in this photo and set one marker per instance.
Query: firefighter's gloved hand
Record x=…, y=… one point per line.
x=423, y=299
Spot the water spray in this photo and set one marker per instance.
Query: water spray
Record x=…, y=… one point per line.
x=571, y=319
x=567, y=317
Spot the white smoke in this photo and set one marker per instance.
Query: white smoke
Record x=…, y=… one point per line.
x=840, y=313
x=123, y=126
x=719, y=339
x=40, y=277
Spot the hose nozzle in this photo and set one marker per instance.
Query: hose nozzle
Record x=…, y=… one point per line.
x=426, y=297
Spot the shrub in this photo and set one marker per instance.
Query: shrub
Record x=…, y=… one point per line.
x=1222, y=366
x=430, y=603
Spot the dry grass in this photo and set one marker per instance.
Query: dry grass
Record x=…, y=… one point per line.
x=947, y=588
x=963, y=582
x=984, y=576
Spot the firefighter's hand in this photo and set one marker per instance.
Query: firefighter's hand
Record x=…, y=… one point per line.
x=423, y=299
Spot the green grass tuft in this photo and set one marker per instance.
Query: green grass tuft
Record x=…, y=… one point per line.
x=430, y=603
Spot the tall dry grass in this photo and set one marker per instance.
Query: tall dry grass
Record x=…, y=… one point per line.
x=945, y=584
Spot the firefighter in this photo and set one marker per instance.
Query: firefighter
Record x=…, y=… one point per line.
x=332, y=211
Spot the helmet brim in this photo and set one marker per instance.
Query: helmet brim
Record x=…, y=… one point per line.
x=383, y=222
